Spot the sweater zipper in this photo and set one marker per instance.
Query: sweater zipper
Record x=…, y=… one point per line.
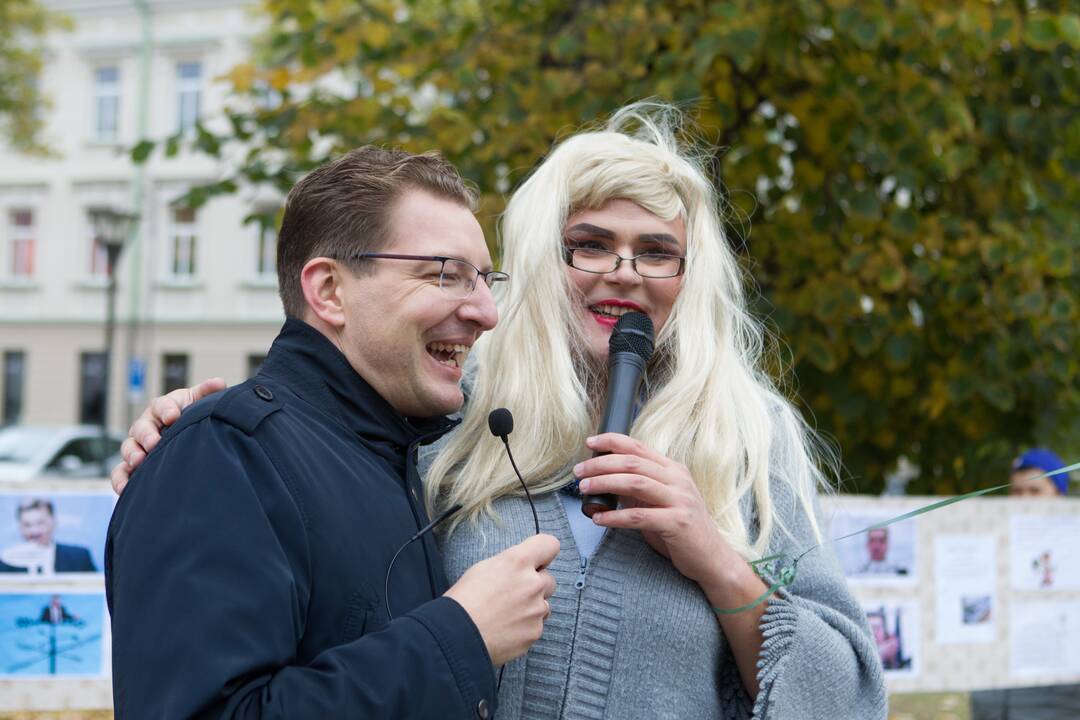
x=579, y=585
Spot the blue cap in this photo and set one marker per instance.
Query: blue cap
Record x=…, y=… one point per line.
x=1047, y=461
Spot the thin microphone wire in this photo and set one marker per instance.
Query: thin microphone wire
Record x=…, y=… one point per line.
x=419, y=534
x=501, y=424
x=528, y=495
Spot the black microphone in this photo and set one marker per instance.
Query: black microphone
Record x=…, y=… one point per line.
x=501, y=424
x=629, y=350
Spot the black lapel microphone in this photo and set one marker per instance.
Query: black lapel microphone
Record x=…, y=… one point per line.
x=501, y=424
x=419, y=534
x=629, y=350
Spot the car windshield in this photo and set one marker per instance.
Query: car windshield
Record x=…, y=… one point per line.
x=20, y=444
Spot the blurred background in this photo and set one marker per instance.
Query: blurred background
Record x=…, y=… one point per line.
x=901, y=180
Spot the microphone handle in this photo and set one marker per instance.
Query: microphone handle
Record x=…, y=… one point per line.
x=624, y=381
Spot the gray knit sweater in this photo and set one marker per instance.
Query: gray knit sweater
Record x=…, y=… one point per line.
x=630, y=637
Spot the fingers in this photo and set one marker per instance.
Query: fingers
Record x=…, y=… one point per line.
x=638, y=518
x=119, y=477
x=538, y=550
x=132, y=453
x=206, y=387
x=619, y=444
x=620, y=464
x=641, y=488
x=549, y=585
x=166, y=410
x=144, y=435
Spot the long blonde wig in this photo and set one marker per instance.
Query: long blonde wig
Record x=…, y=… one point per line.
x=709, y=405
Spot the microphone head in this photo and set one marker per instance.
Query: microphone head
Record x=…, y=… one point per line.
x=633, y=333
x=500, y=422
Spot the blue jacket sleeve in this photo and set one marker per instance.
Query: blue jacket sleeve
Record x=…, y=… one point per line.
x=208, y=579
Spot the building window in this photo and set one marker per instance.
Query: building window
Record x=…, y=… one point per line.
x=106, y=103
x=266, y=250
x=13, y=382
x=184, y=243
x=188, y=94
x=174, y=373
x=92, y=388
x=254, y=364
x=19, y=253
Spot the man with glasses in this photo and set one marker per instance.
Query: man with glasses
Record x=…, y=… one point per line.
x=248, y=568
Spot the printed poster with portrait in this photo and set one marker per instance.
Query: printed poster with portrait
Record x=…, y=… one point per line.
x=53, y=534
x=895, y=628
x=885, y=556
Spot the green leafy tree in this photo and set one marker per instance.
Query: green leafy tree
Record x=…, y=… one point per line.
x=23, y=26
x=901, y=177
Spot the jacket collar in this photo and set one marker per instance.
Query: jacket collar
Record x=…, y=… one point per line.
x=312, y=367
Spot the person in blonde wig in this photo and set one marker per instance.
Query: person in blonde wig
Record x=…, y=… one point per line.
x=719, y=469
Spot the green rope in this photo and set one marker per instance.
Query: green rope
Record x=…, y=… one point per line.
x=783, y=574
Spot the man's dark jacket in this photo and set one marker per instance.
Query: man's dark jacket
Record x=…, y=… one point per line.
x=245, y=561
x=73, y=558
x=69, y=558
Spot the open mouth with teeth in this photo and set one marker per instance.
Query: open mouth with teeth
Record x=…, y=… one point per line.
x=452, y=354
x=615, y=311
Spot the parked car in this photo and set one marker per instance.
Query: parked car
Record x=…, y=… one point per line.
x=29, y=452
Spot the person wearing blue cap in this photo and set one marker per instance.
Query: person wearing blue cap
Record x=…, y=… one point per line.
x=1029, y=475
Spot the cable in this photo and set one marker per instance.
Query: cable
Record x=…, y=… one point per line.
x=419, y=534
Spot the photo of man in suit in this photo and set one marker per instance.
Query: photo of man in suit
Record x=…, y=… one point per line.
x=40, y=554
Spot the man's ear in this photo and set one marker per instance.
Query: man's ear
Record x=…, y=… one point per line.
x=320, y=279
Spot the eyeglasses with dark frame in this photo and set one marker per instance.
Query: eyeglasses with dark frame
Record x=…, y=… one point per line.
x=456, y=276
x=601, y=262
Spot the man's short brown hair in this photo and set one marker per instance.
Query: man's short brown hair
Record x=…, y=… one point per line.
x=34, y=504
x=343, y=208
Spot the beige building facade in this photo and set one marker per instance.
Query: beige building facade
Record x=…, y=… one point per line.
x=197, y=291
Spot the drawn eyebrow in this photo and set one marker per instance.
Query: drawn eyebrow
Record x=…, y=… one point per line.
x=591, y=230
x=665, y=239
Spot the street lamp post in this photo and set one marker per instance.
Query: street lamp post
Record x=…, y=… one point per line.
x=111, y=229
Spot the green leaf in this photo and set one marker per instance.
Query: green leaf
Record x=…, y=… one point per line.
x=819, y=353
x=1032, y=303
x=140, y=152
x=998, y=394
x=1069, y=30
x=903, y=222
x=172, y=146
x=899, y=350
x=866, y=203
x=863, y=340
x=856, y=260
x=1063, y=308
x=1040, y=31
x=1002, y=26
x=891, y=278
